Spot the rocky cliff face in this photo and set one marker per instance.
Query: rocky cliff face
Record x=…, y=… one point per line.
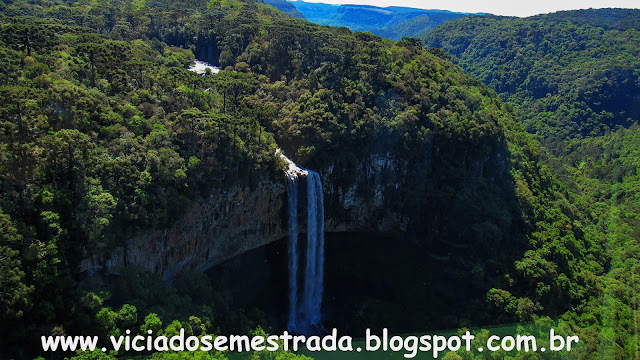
x=228, y=223
x=361, y=204
x=233, y=221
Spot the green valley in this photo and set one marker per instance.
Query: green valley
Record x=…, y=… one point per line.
x=139, y=195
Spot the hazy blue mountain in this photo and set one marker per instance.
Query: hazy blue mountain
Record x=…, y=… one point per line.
x=286, y=7
x=317, y=12
x=390, y=22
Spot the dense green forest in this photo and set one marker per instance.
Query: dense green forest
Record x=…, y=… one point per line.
x=565, y=78
x=573, y=79
x=105, y=134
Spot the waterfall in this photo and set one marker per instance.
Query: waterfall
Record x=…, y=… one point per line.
x=200, y=67
x=292, y=194
x=315, y=249
x=305, y=309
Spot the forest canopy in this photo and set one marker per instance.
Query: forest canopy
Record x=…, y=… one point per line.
x=106, y=134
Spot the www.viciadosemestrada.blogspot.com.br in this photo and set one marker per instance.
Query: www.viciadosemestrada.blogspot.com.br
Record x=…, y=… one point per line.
x=410, y=345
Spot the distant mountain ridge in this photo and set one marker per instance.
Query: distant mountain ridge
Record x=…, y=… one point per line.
x=391, y=22
x=607, y=19
x=286, y=7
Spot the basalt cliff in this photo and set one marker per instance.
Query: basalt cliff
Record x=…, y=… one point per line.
x=367, y=197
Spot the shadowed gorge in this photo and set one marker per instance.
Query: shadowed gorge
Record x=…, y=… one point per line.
x=382, y=292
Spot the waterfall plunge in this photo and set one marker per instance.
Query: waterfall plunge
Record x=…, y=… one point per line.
x=305, y=312
x=292, y=193
x=314, y=269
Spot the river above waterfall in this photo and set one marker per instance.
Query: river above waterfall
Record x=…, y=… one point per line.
x=201, y=67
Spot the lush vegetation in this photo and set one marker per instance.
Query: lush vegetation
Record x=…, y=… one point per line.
x=573, y=78
x=565, y=78
x=105, y=134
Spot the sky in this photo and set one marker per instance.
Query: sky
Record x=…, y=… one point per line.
x=497, y=7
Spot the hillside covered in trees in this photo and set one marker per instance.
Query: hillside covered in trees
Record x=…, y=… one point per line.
x=568, y=74
x=573, y=79
x=106, y=135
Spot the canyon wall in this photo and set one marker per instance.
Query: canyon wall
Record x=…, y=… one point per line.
x=233, y=221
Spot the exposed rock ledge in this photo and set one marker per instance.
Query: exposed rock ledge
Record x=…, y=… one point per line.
x=231, y=222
